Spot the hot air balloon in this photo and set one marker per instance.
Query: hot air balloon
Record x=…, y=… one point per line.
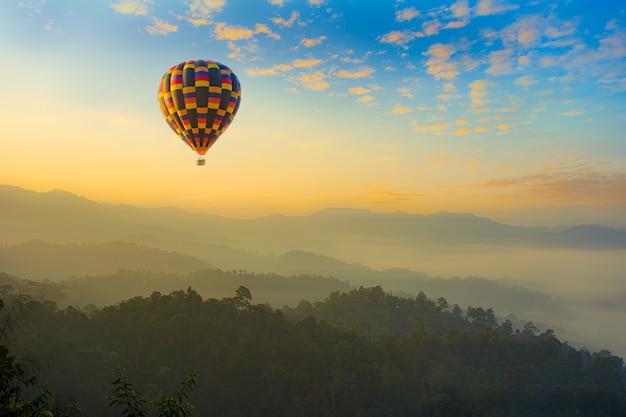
x=199, y=100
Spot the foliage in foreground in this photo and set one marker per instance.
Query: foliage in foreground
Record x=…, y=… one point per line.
x=358, y=353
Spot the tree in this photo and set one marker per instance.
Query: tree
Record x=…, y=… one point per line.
x=130, y=398
x=13, y=377
x=243, y=298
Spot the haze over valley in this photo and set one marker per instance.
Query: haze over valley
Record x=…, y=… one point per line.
x=569, y=278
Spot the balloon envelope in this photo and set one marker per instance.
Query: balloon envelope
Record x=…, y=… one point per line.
x=199, y=100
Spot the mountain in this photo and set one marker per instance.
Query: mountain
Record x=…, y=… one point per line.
x=39, y=260
x=576, y=272
x=59, y=216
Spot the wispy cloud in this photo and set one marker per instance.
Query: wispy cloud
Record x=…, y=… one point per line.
x=398, y=37
x=384, y=195
x=405, y=92
x=232, y=33
x=478, y=92
x=134, y=7
x=358, y=90
x=460, y=9
x=400, y=110
x=306, y=63
x=261, y=28
x=562, y=182
x=525, y=81
x=310, y=42
x=361, y=72
x=201, y=12
x=490, y=7
x=407, y=14
x=279, y=21
x=577, y=112
x=161, y=27
x=439, y=64
x=315, y=81
x=365, y=99
x=437, y=128
x=274, y=70
x=500, y=62
x=279, y=3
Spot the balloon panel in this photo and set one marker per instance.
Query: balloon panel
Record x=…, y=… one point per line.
x=199, y=100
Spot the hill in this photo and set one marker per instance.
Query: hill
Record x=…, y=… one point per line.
x=59, y=216
x=361, y=352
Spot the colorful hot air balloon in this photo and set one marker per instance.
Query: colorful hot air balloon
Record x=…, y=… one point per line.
x=199, y=100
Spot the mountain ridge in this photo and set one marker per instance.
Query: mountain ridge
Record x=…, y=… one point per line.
x=65, y=217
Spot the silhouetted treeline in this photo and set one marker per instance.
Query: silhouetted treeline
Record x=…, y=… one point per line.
x=358, y=353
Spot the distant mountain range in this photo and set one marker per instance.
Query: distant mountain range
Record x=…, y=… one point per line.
x=59, y=216
x=568, y=276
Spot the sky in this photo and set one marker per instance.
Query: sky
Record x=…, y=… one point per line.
x=482, y=106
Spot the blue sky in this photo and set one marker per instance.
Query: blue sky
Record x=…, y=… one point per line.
x=480, y=106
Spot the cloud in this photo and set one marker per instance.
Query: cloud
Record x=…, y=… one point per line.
x=232, y=33
x=306, y=63
x=237, y=33
x=460, y=9
x=362, y=72
x=477, y=92
x=316, y=2
x=400, y=110
x=405, y=92
x=407, y=14
x=381, y=195
x=573, y=112
x=612, y=46
x=504, y=127
x=365, y=99
x=561, y=182
x=134, y=7
x=161, y=27
x=447, y=97
x=275, y=70
x=279, y=21
x=438, y=128
x=442, y=160
x=466, y=131
x=50, y=25
x=358, y=90
x=398, y=37
x=550, y=61
x=456, y=24
x=525, y=81
x=201, y=11
x=310, y=42
x=315, y=81
x=525, y=31
x=431, y=27
x=279, y=3
x=490, y=7
x=439, y=64
x=261, y=28
x=500, y=62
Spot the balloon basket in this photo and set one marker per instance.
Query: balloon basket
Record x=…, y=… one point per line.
x=200, y=161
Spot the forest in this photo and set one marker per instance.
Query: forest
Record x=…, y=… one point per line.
x=360, y=352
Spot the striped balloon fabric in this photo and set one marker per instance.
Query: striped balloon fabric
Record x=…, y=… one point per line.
x=199, y=100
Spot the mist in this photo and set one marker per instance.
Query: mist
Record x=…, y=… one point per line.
x=567, y=278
